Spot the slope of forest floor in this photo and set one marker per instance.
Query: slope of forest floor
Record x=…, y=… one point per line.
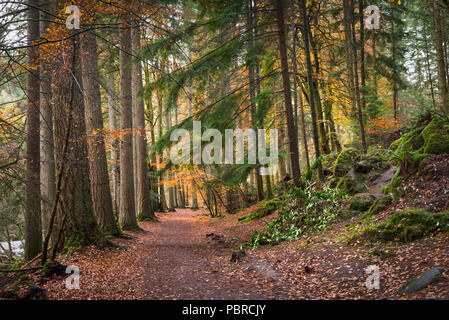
x=186, y=255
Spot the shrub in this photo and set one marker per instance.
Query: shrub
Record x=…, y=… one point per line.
x=302, y=212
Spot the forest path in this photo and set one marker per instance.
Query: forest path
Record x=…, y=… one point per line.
x=182, y=263
x=174, y=258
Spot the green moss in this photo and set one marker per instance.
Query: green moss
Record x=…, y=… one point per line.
x=436, y=138
x=361, y=202
x=345, y=214
x=380, y=205
x=327, y=162
x=412, y=140
x=345, y=160
x=262, y=211
x=394, y=184
x=410, y=225
x=333, y=182
x=347, y=185
x=378, y=158
x=271, y=205
x=52, y=267
x=352, y=183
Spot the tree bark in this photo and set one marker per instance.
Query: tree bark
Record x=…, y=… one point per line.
x=306, y=33
x=98, y=167
x=75, y=220
x=305, y=148
x=252, y=92
x=302, y=128
x=143, y=204
x=127, y=213
x=324, y=140
x=170, y=177
x=162, y=197
x=189, y=114
x=356, y=79
x=115, y=170
x=281, y=141
x=444, y=91
x=349, y=54
x=47, y=168
x=291, y=130
x=33, y=223
x=429, y=73
x=362, y=54
x=393, y=56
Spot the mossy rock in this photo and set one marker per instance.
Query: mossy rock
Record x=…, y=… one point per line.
x=410, y=225
x=351, y=183
x=345, y=214
x=380, y=205
x=345, y=160
x=378, y=158
x=394, y=184
x=327, y=162
x=362, y=202
x=347, y=185
x=411, y=140
x=262, y=211
x=436, y=138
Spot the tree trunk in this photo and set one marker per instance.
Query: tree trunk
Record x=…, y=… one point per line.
x=281, y=141
x=115, y=170
x=170, y=176
x=75, y=217
x=302, y=128
x=98, y=167
x=127, y=215
x=47, y=168
x=33, y=223
x=444, y=91
x=374, y=65
x=349, y=54
x=189, y=114
x=294, y=67
x=393, y=56
x=162, y=198
x=305, y=148
x=143, y=205
x=336, y=147
x=310, y=81
x=324, y=141
x=356, y=79
x=252, y=92
x=293, y=140
x=429, y=73
x=362, y=54
x=150, y=113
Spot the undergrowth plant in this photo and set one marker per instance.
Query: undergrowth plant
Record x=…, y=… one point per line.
x=303, y=211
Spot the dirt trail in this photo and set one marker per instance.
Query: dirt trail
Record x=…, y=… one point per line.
x=173, y=259
x=183, y=264
x=382, y=181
